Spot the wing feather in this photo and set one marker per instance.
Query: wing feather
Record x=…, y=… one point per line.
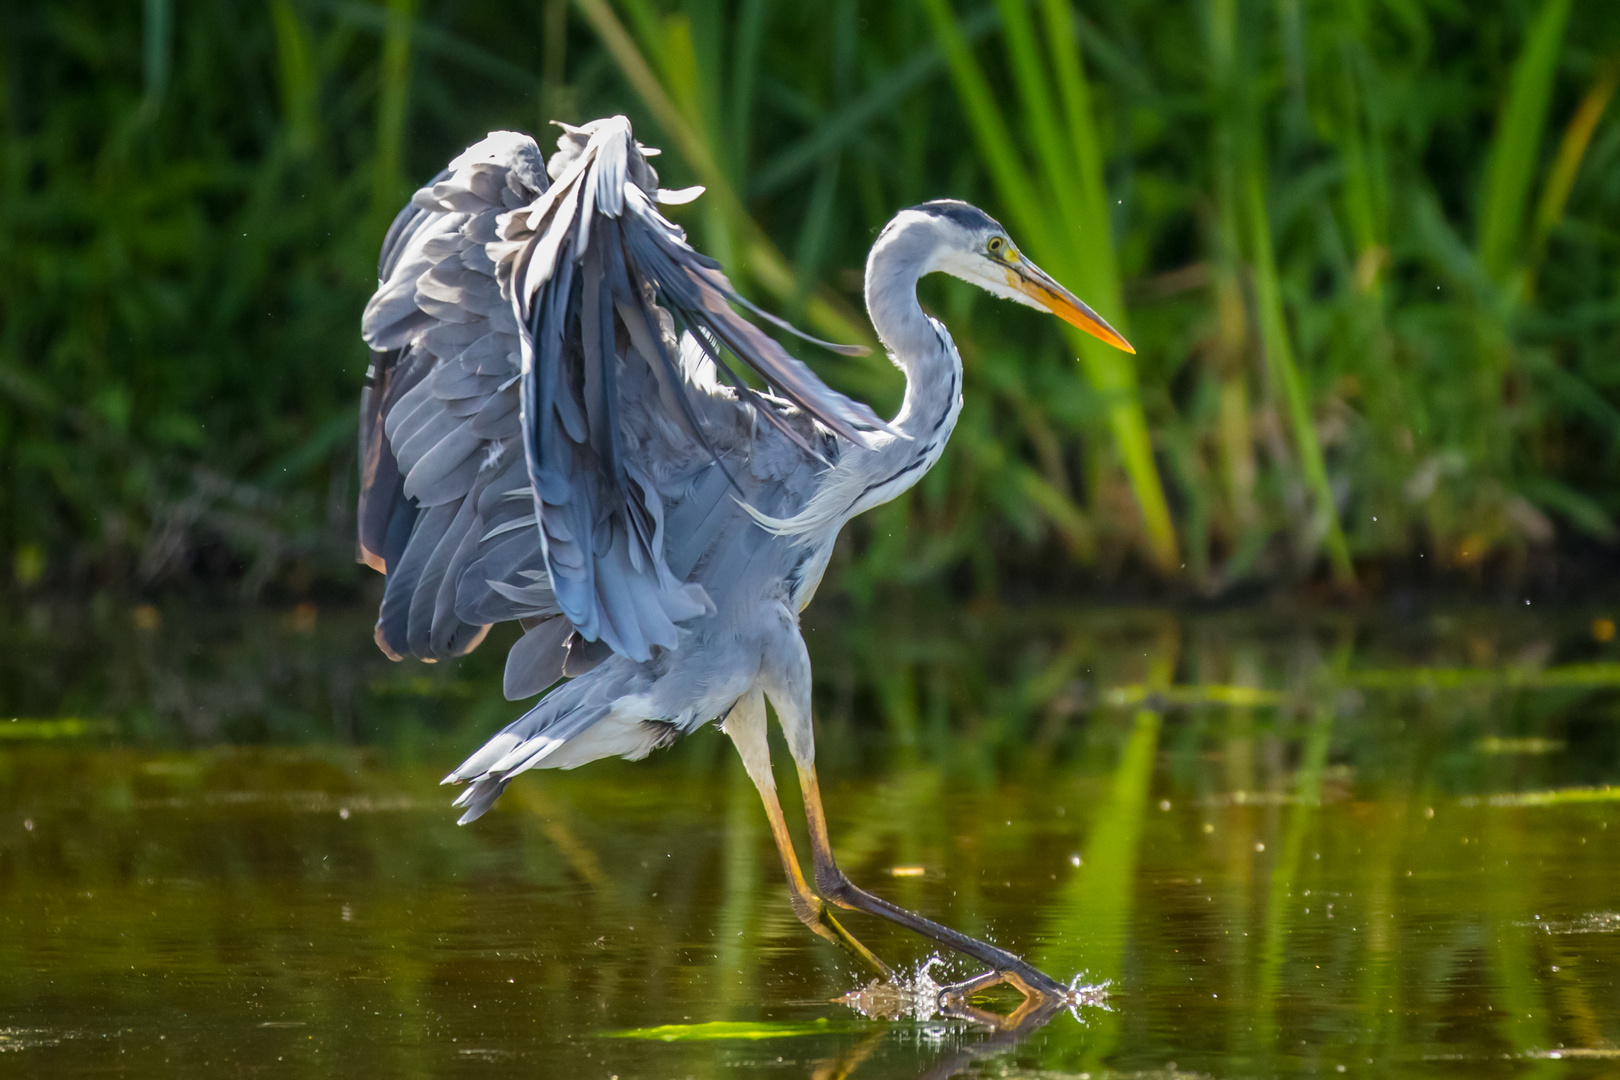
x=536, y=661
x=435, y=430
x=393, y=620
x=594, y=263
x=552, y=423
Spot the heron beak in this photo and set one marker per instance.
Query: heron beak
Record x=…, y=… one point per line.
x=1039, y=286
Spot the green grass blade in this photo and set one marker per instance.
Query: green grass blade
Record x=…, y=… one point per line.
x=1035, y=95
x=554, y=97
x=744, y=87
x=649, y=29
x=1096, y=273
x=681, y=79
x=660, y=101
x=842, y=125
x=998, y=150
x=297, y=77
x=1229, y=357
x=826, y=312
x=1517, y=142
x=1279, y=354
x=1110, y=372
x=1352, y=118
x=1571, y=152
x=1100, y=276
x=71, y=727
x=1240, y=181
x=157, y=31
x=716, y=1030
x=393, y=100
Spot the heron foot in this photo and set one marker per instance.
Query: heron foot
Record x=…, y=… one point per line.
x=920, y=998
x=956, y=1000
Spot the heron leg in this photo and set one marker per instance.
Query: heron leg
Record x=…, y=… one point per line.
x=785, y=676
x=745, y=723
x=838, y=889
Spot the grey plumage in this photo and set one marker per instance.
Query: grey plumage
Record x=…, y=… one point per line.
x=528, y=410
x=553, y=431
x=536, y=661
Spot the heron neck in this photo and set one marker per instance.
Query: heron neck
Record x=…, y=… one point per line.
x=918, y=345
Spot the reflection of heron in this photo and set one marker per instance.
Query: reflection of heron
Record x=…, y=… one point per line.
x=551, y=433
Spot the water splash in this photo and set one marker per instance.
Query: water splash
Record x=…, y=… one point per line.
x=905, y=997
x=1087, y=995
x=917, y=996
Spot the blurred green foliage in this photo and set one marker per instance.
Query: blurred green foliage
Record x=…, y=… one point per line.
x=1367, y=251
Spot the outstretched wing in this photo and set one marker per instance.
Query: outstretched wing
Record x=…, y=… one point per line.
x=602, y=283
x=439, y=430
x=530, y=419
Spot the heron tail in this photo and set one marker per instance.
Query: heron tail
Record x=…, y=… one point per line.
x=580, y=721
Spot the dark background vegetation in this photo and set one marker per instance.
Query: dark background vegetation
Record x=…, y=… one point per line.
x=1367, y=250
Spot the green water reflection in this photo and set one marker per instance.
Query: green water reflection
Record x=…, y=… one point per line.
x=1291, y=847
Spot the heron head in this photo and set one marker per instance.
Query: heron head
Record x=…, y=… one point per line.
x=974, y=247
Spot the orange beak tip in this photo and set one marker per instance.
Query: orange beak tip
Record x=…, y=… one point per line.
x=1060, y=303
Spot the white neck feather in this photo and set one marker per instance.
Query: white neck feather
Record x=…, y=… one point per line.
x=920, y=347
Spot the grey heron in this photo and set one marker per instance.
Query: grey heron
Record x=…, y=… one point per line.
x=553, y=432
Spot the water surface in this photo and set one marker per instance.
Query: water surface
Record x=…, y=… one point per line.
x=1287, y=847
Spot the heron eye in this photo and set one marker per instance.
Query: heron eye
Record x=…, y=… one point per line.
x=996, y=244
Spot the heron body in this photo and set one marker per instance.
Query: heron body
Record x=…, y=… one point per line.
x=553, y=432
